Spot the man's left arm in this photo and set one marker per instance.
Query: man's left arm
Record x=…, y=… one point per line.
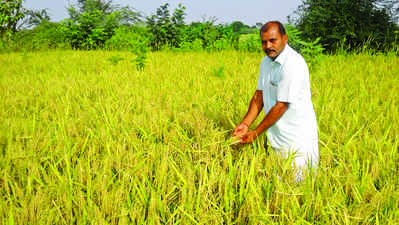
x=272, y=117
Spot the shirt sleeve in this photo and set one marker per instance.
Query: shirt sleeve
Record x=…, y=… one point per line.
x=291, y=83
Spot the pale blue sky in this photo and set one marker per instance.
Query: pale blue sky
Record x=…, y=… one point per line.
x=226, y=11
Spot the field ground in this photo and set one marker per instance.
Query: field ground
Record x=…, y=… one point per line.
x=85, y=139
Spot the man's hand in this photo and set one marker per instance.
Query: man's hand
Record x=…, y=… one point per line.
x=249, y=137
x=241, y=129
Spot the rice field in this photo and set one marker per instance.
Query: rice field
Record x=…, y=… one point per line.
x=85, y=138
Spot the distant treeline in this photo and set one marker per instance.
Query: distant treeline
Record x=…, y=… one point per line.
x=100, y=24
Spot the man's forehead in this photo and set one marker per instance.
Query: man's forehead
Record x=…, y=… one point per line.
x=271, y=26
x=271, y=32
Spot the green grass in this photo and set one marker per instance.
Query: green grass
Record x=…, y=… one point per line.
x=87, y=141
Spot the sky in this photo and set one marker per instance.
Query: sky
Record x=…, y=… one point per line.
x=225, y=11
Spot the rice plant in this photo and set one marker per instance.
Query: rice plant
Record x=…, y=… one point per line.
x=84, y=142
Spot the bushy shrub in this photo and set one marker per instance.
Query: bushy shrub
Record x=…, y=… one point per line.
x=48, y=36
x=91, y=29
x=310, y=50
x=128, y=38
x=3, y=45
x=196, y=45
x=355, y=23
x=45, y=36
x=226, y=39
x=206, y=32
x=221, y=44
x=250, y=43
x=166, y=30
x=141, y=56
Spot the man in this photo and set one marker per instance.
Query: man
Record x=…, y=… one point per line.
x=284, y=91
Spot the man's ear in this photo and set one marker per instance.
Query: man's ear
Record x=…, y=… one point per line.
x=285, y=39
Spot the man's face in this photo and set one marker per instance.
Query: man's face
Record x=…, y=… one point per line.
x=273, y=42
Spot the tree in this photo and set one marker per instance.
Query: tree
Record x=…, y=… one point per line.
x=204, y=33
x=11, y=12
x=348, y=22
x=105, y=7
x=34, y=18
x=125, y=15
x=238, y=26
x=166, y=29
x=178, y=25
x=93, y=22
x=391, y=7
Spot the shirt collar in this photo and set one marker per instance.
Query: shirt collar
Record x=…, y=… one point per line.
x=283, y=55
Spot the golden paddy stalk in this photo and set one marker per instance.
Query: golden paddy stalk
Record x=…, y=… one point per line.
x=83, y=140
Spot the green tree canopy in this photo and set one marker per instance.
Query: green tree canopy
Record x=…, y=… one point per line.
x=241, y=28
x=34, y=18
x=166, y=29
x=348, y=22
x=92, y=22
x=11, y=12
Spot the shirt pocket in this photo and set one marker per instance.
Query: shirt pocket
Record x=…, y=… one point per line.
x=273, y=85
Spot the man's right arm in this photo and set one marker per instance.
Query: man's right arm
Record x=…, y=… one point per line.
x=255, y=107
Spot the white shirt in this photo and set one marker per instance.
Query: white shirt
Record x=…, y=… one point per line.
x=287, y=80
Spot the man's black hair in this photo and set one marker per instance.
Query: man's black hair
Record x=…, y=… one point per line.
x=281, y=28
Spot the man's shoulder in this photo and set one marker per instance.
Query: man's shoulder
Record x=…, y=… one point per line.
x=294, y=59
